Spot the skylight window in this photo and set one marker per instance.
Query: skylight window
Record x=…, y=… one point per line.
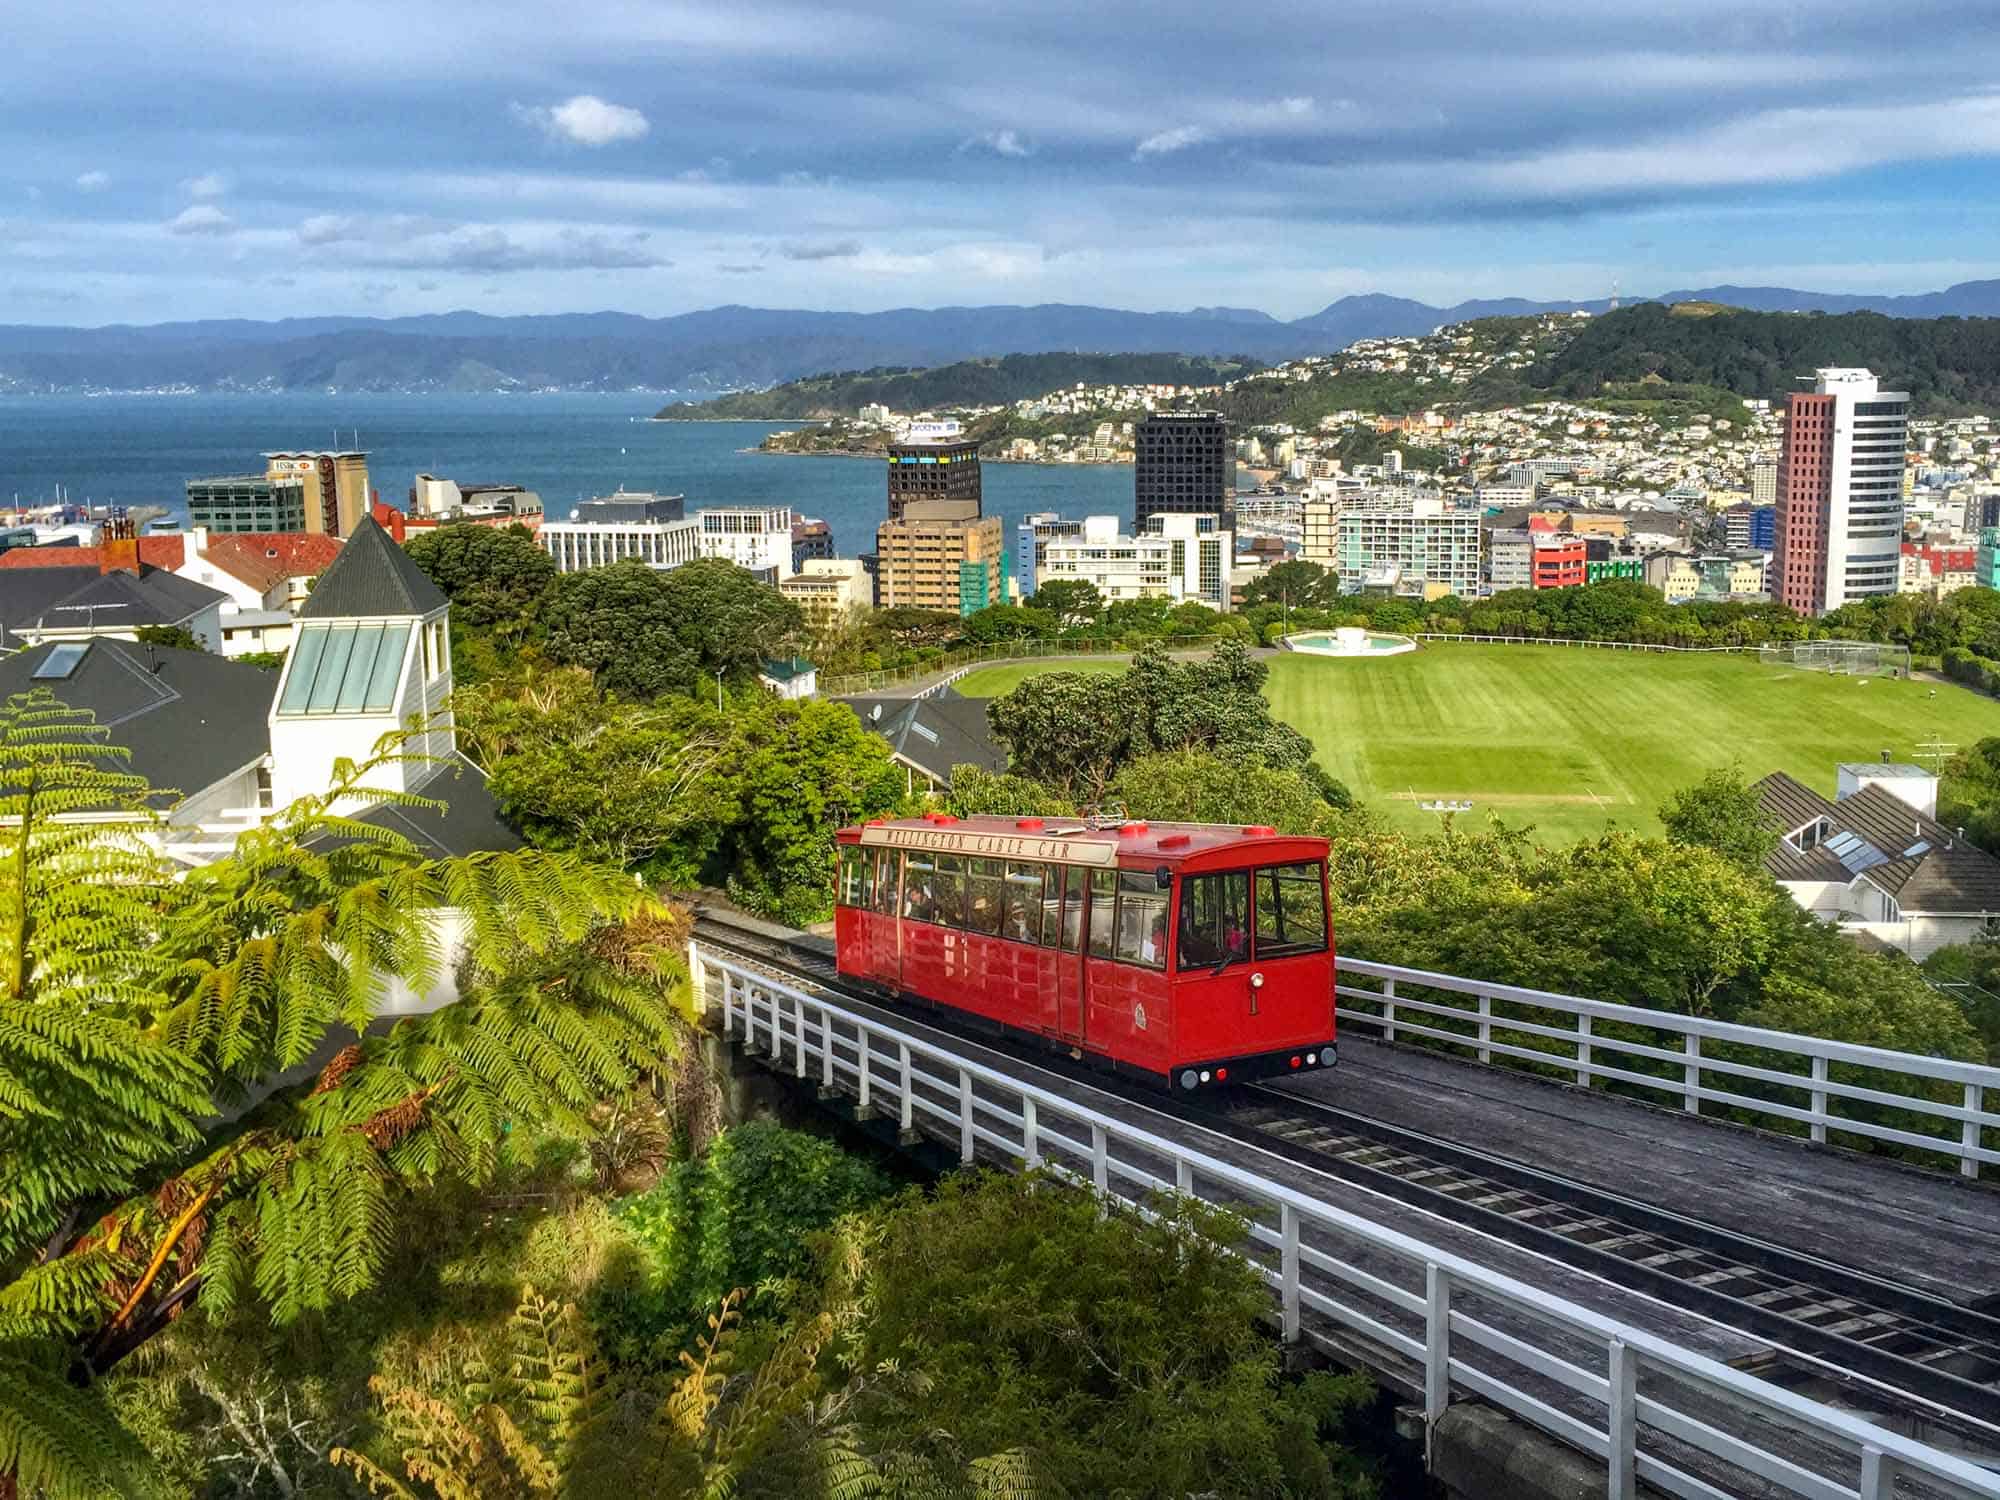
x=61, y=662
x=345, y=668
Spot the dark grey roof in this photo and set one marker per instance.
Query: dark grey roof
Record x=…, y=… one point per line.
x=1926, y=866
x=55, y=598
x=470, y=821
x=935, y=733
x=188, y=718
x=371, y=577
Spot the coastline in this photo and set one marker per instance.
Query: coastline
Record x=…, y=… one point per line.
x=1040, y=463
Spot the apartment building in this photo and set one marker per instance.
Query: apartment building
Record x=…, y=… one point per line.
x=1410, y=542
x=825, y=588
x=1032, y=534
x=940, y=554
x=653, y=529
x=1185, y=558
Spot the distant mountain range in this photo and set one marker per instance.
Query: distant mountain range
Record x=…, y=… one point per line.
x=737, y=348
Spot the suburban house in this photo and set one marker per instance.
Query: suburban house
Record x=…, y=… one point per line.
x=77, y=593
x=928, y=736
x=265, y=576
x=1876, y=860
x=228, y=742
x=789, y=677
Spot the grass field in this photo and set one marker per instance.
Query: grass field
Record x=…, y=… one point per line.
x=1568, y=740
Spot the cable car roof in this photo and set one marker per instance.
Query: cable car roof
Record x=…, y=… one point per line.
x=1075, y=841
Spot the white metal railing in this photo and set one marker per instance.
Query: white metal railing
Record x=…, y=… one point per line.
x=1472, y=638
x=1625, y=1396
x=1409, y=1003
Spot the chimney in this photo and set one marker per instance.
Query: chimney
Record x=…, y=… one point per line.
x=118, y=547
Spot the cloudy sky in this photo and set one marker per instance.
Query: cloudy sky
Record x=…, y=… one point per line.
x=399, y=156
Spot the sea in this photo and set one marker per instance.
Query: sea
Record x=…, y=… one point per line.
x=141, y=450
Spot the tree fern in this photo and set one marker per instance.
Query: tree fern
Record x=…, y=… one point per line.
x=135, y=998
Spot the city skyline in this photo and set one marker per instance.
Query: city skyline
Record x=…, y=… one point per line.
x=366, y=158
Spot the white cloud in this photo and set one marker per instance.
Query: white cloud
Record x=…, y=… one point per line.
x=821, y=250
x=1167, y=142
x=1297, y=106
x=585, y=120
x=201, y=218
x=208, y=185
x=1000, y=143
x=93, y=182
x=325, y=229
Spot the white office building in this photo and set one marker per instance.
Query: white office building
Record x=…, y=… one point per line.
x=1864, y=506
x=758, y=538
x=1182, y=557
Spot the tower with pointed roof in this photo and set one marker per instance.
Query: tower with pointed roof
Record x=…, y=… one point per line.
x=371, y=653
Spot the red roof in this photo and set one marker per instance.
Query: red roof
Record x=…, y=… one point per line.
x=262, y=558
x=1945, y=559
x=155, y=551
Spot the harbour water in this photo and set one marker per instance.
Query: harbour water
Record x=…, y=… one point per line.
x=140, y=450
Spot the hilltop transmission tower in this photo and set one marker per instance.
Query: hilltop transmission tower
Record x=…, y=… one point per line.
x=1614, y=296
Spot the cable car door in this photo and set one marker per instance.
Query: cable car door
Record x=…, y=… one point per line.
x=1067, y=1022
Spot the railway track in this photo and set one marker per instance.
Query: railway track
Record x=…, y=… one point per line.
x=1835, y=1330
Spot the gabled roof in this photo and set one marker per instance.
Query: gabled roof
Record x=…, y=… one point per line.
x=935, y=733
x=57, y=598
x=261, y=559
x=370, y=578
x=188, y=718
x=154, y=551
x=1926, y=866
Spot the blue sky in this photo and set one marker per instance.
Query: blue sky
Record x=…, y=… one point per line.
x=518, y=156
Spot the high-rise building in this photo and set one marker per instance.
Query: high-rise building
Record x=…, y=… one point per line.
x=1319, y=531
x=1839, y=519
x=940, y=554
x=1183, y=464
x=1032, y=534
x=932, y=461
x=1183, y=558
x=334, y=485
x=1411, y=542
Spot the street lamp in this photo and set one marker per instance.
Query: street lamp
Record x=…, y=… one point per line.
x=718, y=690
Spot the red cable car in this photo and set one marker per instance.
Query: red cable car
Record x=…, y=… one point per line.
x=1187, y=954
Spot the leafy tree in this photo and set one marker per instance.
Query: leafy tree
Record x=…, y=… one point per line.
x=1298, y=584
x=134, y=999
x=1070, y=731
x=1008, y=622
x=974, y=790
x=1195, y=786
x=729, y=619
x=1127, y=1346
x=1075, y=602
x=803, y=769
x=493, y=575
x=1721, y=812
x=615, y=623
x=644, y=633
x=179, y=637
x=553, y=746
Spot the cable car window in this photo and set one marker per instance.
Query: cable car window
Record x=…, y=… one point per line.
x=1291, y=910
x=1052, y=887
x=949, y=882
x=850, y=877
x=984, y=880
x=1142, y=919
x=1072, y=922
x=1215, y=919
x=887, y=870
x=1103, y=909
x=920, y=889
x=1021, y=917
